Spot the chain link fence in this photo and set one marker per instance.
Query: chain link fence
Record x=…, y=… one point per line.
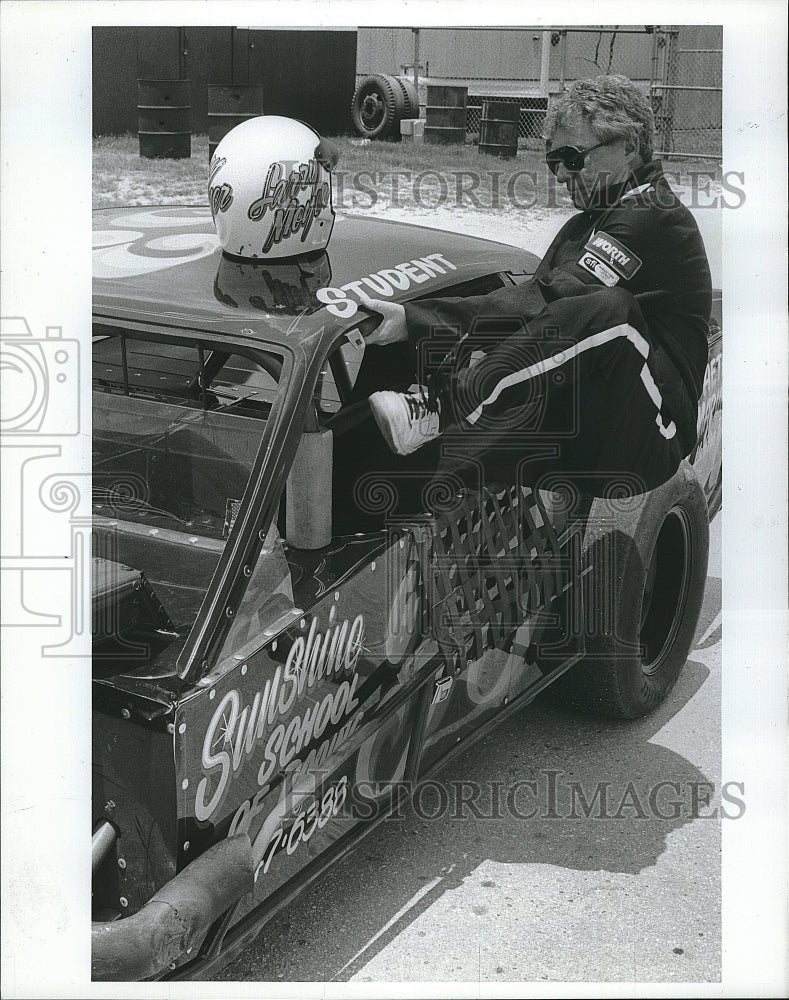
x=678, y=67
x=686, y=92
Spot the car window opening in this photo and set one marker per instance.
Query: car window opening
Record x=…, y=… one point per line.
x=371, y=485
x=176, y=431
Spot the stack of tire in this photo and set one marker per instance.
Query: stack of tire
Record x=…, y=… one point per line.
x=380, y=103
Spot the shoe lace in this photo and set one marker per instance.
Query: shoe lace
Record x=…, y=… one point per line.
x=421, y=403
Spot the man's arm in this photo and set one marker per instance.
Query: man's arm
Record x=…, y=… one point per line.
x=622, y=254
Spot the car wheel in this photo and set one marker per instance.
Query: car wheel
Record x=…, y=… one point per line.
x=378, y=106
x=411, y=96
x=647, y=568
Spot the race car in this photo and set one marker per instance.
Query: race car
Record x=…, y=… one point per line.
x=292, y=626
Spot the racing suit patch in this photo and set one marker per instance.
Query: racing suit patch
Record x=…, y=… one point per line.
x=600, y=270
x=613, y=253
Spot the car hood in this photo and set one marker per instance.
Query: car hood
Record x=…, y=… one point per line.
x=164, y=265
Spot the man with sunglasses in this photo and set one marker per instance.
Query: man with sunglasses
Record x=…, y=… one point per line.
x=593, y=368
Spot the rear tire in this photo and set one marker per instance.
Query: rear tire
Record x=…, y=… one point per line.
x=378, y=106
x=642, y=597
x=411, y=97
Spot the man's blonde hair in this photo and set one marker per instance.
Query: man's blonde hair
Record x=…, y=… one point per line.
x=612, y=106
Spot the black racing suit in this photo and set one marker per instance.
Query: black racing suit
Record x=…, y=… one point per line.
x=594, y=367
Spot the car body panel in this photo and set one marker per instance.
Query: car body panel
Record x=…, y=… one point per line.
x=310, y=675
x=164, y=265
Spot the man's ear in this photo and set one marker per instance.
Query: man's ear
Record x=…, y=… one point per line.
x=631, y=150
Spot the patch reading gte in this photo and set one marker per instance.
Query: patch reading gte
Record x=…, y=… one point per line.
x=608, y=259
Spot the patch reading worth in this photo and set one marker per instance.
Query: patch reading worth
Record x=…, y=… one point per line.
x=608, y=259
x=385, y=282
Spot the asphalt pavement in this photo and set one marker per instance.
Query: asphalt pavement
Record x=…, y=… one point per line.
x=630, y=892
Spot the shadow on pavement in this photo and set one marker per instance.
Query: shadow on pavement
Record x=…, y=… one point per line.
x=635, y=794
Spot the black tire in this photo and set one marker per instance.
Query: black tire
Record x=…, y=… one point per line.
x=378, y=107
x=642, y=597
x=411, y=97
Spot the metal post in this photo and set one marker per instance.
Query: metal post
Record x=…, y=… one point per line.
x=653, y=79
x=104, y=837
x=416, y=56
x=669, y=73
x=545, y=61
x=563, y=59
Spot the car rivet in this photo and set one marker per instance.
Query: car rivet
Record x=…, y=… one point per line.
x=229, y=612
x=186, y=845
x=274, y=646
x=247, y=571
x=402, y=543
x=212, y=694
x=123, y=901
x=302, y=623
x=262, y=536
x=204, y=665
x=372, y=567
x=243, y=669
x=506, y=701
x=182, y=728
x=336, y=595
x=121, y=862
x=171, y=965
x=170, y=727
x=125, y=713
x=185, y=784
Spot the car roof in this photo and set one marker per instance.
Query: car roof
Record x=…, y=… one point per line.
x=163, y=266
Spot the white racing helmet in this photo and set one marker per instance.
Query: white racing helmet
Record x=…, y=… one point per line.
x=269, y=188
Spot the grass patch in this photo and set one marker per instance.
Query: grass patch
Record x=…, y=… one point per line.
x=122, y=177
x=373, y=175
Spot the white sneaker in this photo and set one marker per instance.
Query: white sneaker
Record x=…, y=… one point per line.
x=406, y=419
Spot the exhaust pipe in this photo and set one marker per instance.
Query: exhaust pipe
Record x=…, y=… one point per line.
x=175, y=920
x=104, y=837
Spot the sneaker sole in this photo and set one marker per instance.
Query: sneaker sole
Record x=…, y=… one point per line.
x=378, y=410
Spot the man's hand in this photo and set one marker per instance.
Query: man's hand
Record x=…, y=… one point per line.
x=392, y=329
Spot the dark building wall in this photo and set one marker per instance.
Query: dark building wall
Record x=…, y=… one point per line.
x=114, y=80
x=309, y=75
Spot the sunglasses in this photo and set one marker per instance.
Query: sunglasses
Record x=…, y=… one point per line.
x=571, y=157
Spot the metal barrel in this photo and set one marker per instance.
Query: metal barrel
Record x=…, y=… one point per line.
x=164, y=119
x=445, y=114
x=229, y=105
x=498, y=134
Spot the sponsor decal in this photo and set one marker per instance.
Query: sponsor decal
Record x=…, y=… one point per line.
x=613, y=253
x=383, y=283
x=220, y=198
x=596, y=267
x=279, y=203
x=217, y=162
x=237, y=730
x=314, y=817
x=710, y=404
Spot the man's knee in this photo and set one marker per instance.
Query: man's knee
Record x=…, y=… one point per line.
x=618, y=305
x=606, y=307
